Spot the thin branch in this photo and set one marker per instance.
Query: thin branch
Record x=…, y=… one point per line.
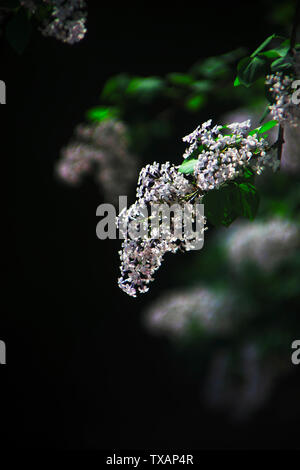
x=280, y=142
x=293, y=36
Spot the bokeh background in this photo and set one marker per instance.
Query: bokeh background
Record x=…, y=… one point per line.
x=86, y=368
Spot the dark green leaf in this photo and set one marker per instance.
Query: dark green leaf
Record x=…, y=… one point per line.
x=234, y=55
x=271, y=54
x=249, y=70
x=212, y=67
x=146, y=88
x=222, y=206
x=283, y=48
x=180, y=79
x=283, y=63
x=249, y=200
x=115, y=87
x=202, y=86
x=248, y=174
x=195, y=102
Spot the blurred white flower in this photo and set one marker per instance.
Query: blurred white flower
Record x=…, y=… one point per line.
x=283, y=109
x=174, y=313
x=265, y=243
x=101, y=148
x=242, y=386
x=66, y=20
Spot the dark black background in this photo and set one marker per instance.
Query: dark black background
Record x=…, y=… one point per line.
x=82, y=373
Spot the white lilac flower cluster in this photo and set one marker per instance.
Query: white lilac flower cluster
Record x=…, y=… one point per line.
x=101, y=148
x=224, y=157
x=67, y=21
x=283, y=109
x=175, y=313
x=220, y=158
x=141, y=257
x=265, y=243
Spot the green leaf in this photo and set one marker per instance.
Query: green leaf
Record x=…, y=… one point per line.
x=180, y=79
x=114, y=88
x=195, y=102
x=254, y=131
x=101, y=113
x=248, y=174
x=263, y=45
x=249, y=70
x=234, y=55
x=18, y=31
x=202, y=86
x=187, y=167
x=267, y=126
x=237, y=81
x=270, y=54
x=264, y=128
x=212, y=67
x=145, y=88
